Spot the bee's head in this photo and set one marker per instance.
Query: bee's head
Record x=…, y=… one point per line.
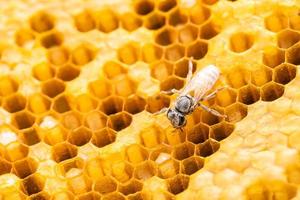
x=177, y=119
x=184, y=104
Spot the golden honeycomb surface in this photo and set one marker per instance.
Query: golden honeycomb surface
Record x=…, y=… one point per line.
x=81, y=79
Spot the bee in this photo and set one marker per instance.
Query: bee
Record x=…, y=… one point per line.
x=185, y=104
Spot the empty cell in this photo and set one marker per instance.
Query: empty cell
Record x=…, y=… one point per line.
x=100, y=88
x=61, y=104
x=24, y=37
x=178, y=184
x=103, y=137
x=293, y=54
x=14, y=103
x=170, y=83
x=22, y=120
x=58, y=55
x=5, y=166
x=261, y=76
x=183, y=151
x=134, y=104
x=151, y=137
x=143, y=7
x=154, y=21
x=145, y=170
x=236, y=112
x=124, y=86
x=240, y=42
x=294, y=22
x=68, y=72
x=67, y=165
x=41, y=22
x=120, y=121
x=177, y=17
x=43, y=71
x=151, y=53
x=80, y=136
x=221, y=131
x=167, y=166
x=105, y=185
x=248, y=94
x=287, y=38
x=192, y=165
x=197, y=50
x=54, y=135
x=25, y=167
x=273, y=56
x=226, y=97
x=161, y=153
x=51, y=39
x=122, y=171
x=276, y=22
x=130, y=188
x=112, y=105
x=129, y=53
x=161, y=70
x=62, y=195
x=209, y=30
x=136, y=154
x=82, y=54
x=93, y=168
x=188, y=33
x=238, y=77
x=53, y=87
x=84, y=21
x=7, y=86
x=29, y=136
x=114, y=196
x=38, y=103
x=157, y=102
x=106, y=20
x=166, y=5
x=63, y=151
x=95, y=120
x=16, y=151
x=78, y=182
x=271, y=91
x=210, y=119
x=33, y=184
x=284, y=73
x=207, y=148
x=71, y=120
x=130, y=22
x=182, y=67
x=113, y=69
x=199, y=14
x=174, y=52
x=86, y=103
x=166, y=36
x=198, y=134
x=40, y=196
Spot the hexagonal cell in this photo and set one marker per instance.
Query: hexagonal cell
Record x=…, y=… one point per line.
x=40, y=196
x=276, y=22
x=61, y=104
x=112, y=105
x=43, y=71
x=100, y=88
x=236, y=112
x=151, y=137
x=38, y=103
x=124, y=86
x=188, y=33
x=23, y=120
x=130, y=22
x=113, y=69
x=68, y=72
x=41, y=21
x=137, y=196
x=51, y=39
x=84, y=21
x=287, y=38
x=32, y=184
x=151, y=52
x=105, y=185
x=75, y=176
x=199, y=14
x=122, y=171
x=25, y=167
x=89, y=196
x=178, y=184
x=24, y=37
x=15, y=151
x=238, y=77
x=53, y=87
x=80, y=136
x=182, y=67
x=192, y=165
x=134, y=104
x=8, y=86
x=95, y=120
x=174, y=52
x=284, y=73
x=292, y=55
x=53, y=135
x=136, y=154
x=273, y=56
x=106, y=20
x=93, y=168
x=58, y=55
x=129, y=53
x=166, y=36
x=221, y=131
x=66, y=166
x=271, y=91
x=240, y=42
x=167, y=166
x=86, y=103
x=157, y=102
x=183, y=151
x=103, y=137
x=226, y=97
x=161, y=70
x=210, y=119
x=120, y=121
x=207, y=148
x=197, y=50
x=14, y=103
x=261, y=76
x=209, y=30
x=63, y=151
x=29, y=136
x=177, y=17
x=62, y=195
x=145, y=170
x=143, y=7
x=294, y=22
x=154, y=21
x=248, y=94
x=166, y=5
x=5, y=166
x=170, y=83
x=71, y=120
x=198, y=134
x=82, y=54
x=130, y=188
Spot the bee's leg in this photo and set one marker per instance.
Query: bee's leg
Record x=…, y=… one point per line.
x=172, y=91
x=213, y=94
x=190, y=71
x=212, y=111
x=163, y=110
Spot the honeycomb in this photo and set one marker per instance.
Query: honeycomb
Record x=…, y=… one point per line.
x=80, y=81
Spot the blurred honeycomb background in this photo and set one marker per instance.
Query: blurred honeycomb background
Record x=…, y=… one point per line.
x=81, y=79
